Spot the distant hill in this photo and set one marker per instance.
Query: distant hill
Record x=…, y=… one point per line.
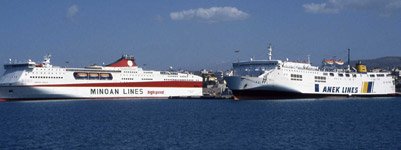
x=387, y=63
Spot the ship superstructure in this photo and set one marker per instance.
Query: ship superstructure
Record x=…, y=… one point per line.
x=121, y=79
x=270, y=79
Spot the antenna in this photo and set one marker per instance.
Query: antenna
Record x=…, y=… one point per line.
x=308, y=59
x=349, y=59
x=46, y=60
x=270, y=49
x=237, y=52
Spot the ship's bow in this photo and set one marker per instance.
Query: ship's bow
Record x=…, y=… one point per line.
x=234, y=82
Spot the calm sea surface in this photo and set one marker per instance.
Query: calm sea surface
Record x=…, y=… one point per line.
x=373, y=123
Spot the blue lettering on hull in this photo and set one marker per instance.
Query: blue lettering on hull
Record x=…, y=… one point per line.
x=337, y=89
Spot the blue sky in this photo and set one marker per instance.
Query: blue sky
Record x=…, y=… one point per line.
x=193, y=35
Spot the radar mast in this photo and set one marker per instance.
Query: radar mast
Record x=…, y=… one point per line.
x=270, y=49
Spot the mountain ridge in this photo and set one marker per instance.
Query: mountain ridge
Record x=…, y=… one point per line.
x=387, y=62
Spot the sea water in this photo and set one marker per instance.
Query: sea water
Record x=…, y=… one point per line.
x=363, y=123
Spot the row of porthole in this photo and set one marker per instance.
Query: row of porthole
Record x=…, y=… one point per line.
x=44, y=77
x=312, y=72
x=45, y=73
x=127, y=78
x=177, y=80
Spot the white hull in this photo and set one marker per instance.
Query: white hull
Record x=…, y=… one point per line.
x=33, y=93
x=253, y=87
x=121, y=79
x=284, y=79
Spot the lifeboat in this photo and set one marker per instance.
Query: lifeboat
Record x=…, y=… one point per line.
x=328, y=61
x=93, y=75
x=105, y=75
x=339, y=62
x=82, y=74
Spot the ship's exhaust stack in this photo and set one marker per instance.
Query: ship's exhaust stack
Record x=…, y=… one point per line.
x=361, y=68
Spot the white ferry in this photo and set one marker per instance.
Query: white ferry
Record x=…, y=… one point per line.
x=272, y=79
x=121, y=79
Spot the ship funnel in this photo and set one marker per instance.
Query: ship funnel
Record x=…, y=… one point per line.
x=124, y=61
x=361, y=68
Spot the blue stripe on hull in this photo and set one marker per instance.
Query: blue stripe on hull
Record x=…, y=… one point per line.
x=264, y=94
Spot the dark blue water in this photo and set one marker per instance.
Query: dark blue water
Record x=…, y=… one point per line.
x=202, y=124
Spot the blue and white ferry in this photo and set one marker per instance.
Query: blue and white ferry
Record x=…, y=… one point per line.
x=270, y=79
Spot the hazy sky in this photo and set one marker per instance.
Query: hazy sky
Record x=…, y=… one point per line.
x=199, y=34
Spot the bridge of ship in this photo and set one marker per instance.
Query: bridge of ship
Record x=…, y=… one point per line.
x=254, y=68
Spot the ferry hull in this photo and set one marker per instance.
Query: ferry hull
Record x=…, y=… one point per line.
x=273, y=95
x=274, y=79
x=251, y=88
x=42, y=93
x=121, y=79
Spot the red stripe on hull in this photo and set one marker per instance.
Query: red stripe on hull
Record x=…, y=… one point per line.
x=175, y=84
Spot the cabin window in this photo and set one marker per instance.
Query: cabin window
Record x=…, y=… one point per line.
x=320, y=79
x=331, y=74
x=354, y=75
x=380, y=75
x=325, y=74
x=340, y=75
x=347, y=75
x=296, y=77
x=372, y=75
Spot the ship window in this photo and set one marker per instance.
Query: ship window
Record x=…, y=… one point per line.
x=320, y=79
x=325, y=74
x=347, y=75
x=331, y=74
x=372, y=75
x=354, y=75
x=296, y=77
x=341, y=75
x=380, y=75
